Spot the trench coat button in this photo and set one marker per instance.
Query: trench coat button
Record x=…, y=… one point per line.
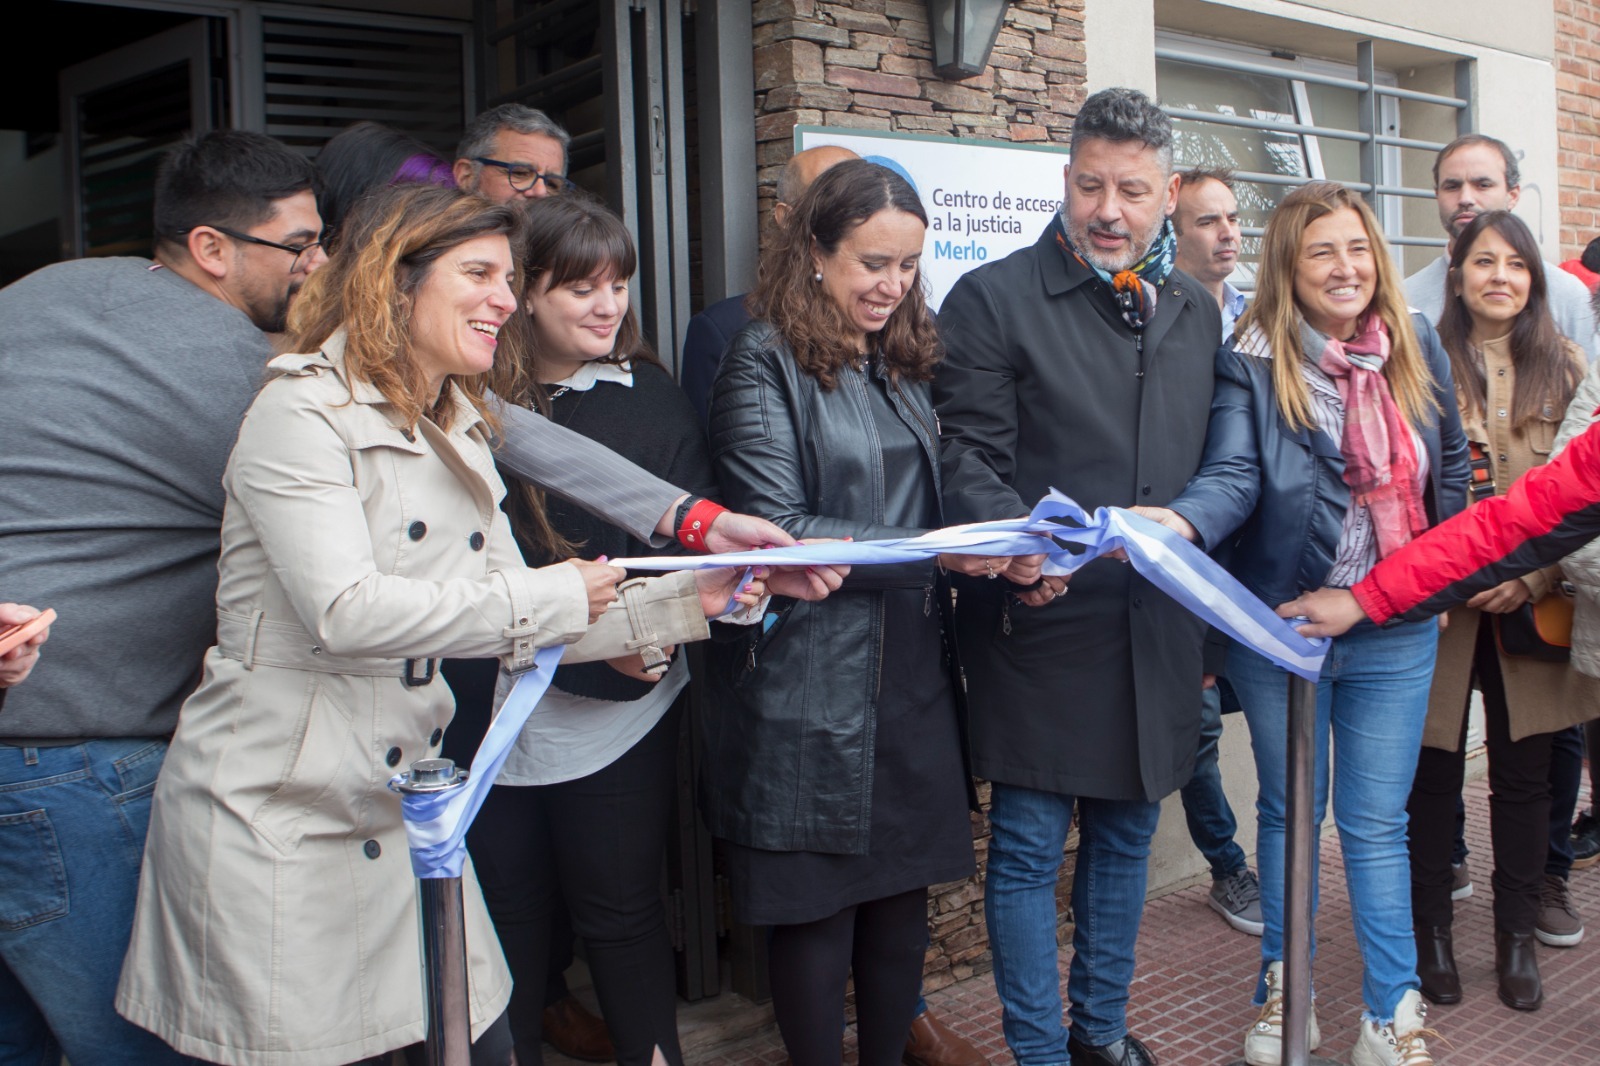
x=417, y=531
x=1145, y=491
x=1503, y=459
x=1500, y=373
x=393, y=757
x=372, y=849
x=476, y=541
x=434, y=738
x=1138, y=601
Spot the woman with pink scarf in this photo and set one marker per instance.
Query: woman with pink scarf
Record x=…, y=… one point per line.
x=1334, y=440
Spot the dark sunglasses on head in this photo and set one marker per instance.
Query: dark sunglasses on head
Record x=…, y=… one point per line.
x=523, y=177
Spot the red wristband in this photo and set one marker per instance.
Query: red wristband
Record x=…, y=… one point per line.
x=697, y=523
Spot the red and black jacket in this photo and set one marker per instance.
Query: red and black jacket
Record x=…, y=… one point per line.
x=1547, y=514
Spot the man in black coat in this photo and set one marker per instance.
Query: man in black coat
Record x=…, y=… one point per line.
x=1081, y=363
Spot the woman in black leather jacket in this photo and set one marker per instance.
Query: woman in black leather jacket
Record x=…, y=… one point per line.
x=1334, y=440
x=833, y=764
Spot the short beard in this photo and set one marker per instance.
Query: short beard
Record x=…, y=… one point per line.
x=1137, y=247
x=274, y=318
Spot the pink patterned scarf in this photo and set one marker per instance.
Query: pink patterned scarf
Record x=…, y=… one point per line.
x=1380, y=458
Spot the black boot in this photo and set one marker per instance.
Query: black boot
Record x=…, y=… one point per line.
x=1436, y=965
x=1517, y=966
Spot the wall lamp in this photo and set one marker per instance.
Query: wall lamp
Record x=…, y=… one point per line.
x=964, y=32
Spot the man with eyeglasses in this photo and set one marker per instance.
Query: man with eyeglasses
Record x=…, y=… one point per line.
x=124, y=381
x=512, y=151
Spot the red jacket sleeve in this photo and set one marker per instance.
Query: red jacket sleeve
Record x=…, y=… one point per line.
x=1547, y=514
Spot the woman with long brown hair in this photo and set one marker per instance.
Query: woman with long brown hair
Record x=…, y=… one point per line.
x=1514, y=376
x=1333, y=442
x=833, y=766
x=361, y=541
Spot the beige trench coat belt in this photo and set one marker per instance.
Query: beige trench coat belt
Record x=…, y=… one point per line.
x=254, y=641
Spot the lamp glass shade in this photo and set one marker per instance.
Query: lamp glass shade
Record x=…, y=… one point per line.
x=964, y=33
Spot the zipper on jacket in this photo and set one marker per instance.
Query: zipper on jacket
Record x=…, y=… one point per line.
x=1138, y=351
x=1005, y=615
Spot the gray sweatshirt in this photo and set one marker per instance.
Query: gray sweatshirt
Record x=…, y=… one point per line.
x=121, y=392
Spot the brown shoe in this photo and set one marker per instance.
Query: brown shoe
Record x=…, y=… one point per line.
x=576, y=1033
x=933, y=1044
x=1517, y=966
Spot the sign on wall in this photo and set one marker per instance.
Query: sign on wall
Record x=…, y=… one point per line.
x=985, y=199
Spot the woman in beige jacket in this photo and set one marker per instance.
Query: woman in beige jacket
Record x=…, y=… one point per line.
x=1514, y=375
x=362, y=540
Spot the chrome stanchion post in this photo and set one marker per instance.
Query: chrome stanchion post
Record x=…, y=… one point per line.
x=1300, y=842
x=1299, y=878
x=444, y=940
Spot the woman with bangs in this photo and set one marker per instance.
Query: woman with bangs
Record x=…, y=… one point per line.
x=833, y=765
x=1515, y=375
x=1334, y=441
x=361, y=541
x=582, y=807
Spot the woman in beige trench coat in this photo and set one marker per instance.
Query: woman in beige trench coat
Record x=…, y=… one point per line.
x=362, y=540
x=1514, y=375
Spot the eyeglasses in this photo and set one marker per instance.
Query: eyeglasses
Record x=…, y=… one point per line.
x=523, y=177
x=296, y=250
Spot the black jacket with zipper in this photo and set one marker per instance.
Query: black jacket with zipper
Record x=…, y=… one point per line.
x=789, y=725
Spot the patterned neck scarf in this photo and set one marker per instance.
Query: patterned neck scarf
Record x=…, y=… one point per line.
x=1135, y=288
x=1380, y=456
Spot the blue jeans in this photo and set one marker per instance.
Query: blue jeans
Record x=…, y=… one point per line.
x=1029, y=831
x=1373, y=697
x=1205, y=806
x=72, y=829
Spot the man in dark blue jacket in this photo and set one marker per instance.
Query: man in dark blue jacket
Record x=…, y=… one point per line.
x=710, y=331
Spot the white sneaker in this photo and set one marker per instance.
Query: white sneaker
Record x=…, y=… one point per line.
x=1263, y=1042
x=1400, y=1043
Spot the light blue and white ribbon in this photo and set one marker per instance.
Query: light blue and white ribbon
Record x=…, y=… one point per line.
x=436, y=823
x=1171, y=563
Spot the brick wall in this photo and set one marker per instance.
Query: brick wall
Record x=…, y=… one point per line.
x=868, y=64
x=1577, y=51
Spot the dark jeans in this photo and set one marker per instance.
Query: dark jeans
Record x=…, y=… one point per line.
x=1519, y=809
x=599, y=841
x=1566, y=774
x=1205, y=806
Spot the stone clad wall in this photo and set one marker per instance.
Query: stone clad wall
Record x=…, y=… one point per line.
x=1578, y=121
x=868, y=64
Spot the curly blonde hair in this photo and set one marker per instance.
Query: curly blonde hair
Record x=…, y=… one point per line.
x=389, y=245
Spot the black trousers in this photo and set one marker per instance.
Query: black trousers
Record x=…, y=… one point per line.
x=599, y=841
x=1519, y=808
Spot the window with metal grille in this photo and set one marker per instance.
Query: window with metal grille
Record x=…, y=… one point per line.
x=1279, y=121
x=320, y=76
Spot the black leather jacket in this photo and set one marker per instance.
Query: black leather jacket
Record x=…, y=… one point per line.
x=789, y=725
x=1272, y=500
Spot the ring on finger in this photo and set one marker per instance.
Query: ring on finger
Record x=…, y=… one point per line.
x=988, y=564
